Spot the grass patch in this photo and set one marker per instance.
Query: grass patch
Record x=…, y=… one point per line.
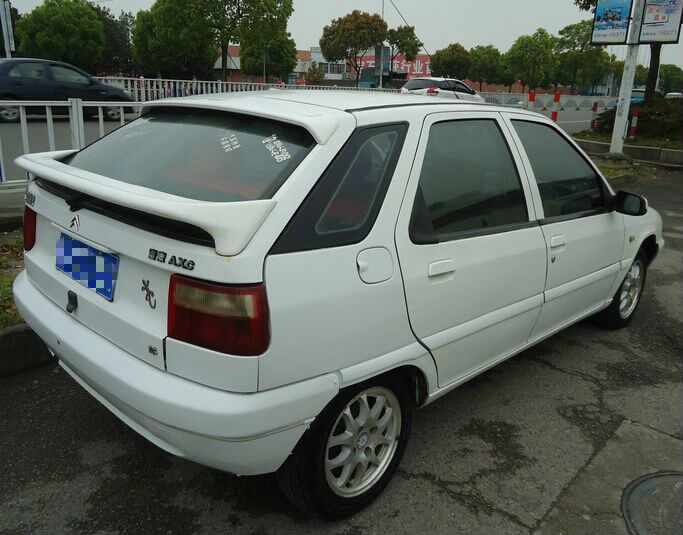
x=11, y=260
x=614, y=170
x=641, y=141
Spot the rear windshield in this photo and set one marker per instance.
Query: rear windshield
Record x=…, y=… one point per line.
x=200, y=154
x=417, y=83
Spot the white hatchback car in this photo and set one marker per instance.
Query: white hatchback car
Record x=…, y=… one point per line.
x=273, y=281
x=441, y=87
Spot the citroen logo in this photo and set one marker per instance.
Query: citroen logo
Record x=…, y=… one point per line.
x=76, y=222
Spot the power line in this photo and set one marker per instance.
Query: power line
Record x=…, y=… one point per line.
x=406, y=22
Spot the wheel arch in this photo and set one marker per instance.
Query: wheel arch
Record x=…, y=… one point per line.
x=650, y=248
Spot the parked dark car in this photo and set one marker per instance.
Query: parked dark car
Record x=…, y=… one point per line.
x=39, y=79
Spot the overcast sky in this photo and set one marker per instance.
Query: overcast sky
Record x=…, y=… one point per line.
x=437, y=22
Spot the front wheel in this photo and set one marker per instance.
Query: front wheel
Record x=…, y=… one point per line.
x=9, y=114
x=352, y=450
x=627, y=298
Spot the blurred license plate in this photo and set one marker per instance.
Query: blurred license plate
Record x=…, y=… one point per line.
x=92, y=268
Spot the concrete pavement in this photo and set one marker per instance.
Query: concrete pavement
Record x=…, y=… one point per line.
x=543, y=443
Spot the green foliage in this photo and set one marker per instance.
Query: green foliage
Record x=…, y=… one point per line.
x=486, y=64
x=453, y=61
x=173, y=40
x=507, y=74
x=641, y=75
x=597, y=63
x=314, y=75
x=351, y=36
x=586, y=5
x=572, y=49
x=63, y=30
x=671, y=78
x=117, y=57
x=662, y=119
x=280, y=55
x=531, y=56
x=402, y=40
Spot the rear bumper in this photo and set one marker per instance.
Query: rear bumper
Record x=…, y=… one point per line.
x=244, y=434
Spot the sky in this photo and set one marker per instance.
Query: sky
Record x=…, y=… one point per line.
x=437, y=22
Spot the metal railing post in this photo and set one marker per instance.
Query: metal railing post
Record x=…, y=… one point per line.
x=76, y=123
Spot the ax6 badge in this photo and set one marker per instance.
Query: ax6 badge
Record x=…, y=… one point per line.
x=164, y=258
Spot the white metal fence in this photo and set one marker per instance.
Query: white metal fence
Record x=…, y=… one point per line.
x=143, y=89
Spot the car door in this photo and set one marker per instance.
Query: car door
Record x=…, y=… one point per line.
x=471, y=252
x=584, y=237
x=70, y=83
x=28, y=80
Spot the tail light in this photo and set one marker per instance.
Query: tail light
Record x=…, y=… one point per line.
x=433, y=91
x=29, y=228
x=229, y=319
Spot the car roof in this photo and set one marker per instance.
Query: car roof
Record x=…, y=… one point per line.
x=434, y=79
x=317, y=110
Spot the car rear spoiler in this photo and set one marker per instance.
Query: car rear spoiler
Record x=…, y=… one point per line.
x=231, y=224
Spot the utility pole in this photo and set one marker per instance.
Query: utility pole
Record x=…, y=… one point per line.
x=7, y=30
x=381, y=55
x=630, y=64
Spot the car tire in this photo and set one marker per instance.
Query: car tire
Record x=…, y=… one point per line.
x=625, y=302
x=112, y=113
x=9, y=114
x=351, y=435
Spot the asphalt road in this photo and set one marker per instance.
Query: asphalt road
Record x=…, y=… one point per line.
x=12, y=146
x=543, y=443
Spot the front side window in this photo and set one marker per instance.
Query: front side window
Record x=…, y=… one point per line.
x=463, y=88
x=200, y=154
x=468, y=182
x=64, y=74
x=567, y=184
x=30, y=70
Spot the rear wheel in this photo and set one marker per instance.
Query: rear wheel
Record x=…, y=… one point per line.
x=352, y=450
x=112, y=113
x=627, y=298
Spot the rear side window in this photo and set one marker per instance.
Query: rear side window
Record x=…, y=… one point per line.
x=468, y=183
x=343, y=206
x=31, y=70
x=464, y=88
x=567, y=184
x=200, y=154
x=65, y=74
x=416, y=83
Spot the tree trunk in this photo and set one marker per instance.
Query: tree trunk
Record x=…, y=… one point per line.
x=224, y=63
x=653, y=74
x=510, y=88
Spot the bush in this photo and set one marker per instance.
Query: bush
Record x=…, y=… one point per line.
x=661, y=120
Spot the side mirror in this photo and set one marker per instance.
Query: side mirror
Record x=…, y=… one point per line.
x=630, y=203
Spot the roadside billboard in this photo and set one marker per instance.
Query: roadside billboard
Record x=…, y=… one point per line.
x=661, y=21
x=611, y=22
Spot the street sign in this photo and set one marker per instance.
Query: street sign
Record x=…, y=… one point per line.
x=662, y=21
x=611, y=22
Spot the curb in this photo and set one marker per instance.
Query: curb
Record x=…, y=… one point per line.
x=22, y=350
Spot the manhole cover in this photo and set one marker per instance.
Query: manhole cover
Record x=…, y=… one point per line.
x=652, y=504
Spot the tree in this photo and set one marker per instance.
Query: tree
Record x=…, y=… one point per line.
x=641, y=75
x=172, y=40
x=350, y=37
x=14, y=14
x=63, y=30
x=507, y=74
x=117, y=57
x=402, y=40
x=485, y=64
x=531, y=56
x=453, y=61
x=670, y=79
x=314, y=75
x=231, y=20
x=596, y=65
x=573, y=43
x=616, y=67
x=279, y=52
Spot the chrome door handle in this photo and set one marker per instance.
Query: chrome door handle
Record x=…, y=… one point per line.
x=441, y=267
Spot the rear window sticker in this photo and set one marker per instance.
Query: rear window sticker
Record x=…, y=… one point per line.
x=277, y=149
x=229, y=141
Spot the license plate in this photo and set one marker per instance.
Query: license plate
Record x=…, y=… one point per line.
x=84, y=264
